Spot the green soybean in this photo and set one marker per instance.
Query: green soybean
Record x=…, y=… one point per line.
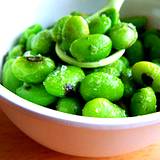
x=75, y=27
x=100, y=25
x=69, y=105
x=32, y=69
x=63, y=80
x=135, y=53
x=34, y=29
x=15, y=52
x=100, y=84
x=102, y=108
x=8, y=78
x=36, y=94
x=123, y=35
x=113, y=14
x=91, y=48
x=41, y=43
x=115, y=68
x=143, y=102
x=56, y=31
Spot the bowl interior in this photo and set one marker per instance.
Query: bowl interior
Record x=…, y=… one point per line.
x=22, y=14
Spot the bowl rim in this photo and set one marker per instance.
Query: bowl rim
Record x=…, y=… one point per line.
x=79, y=121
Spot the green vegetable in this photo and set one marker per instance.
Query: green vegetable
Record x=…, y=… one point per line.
x=91, y=48
x=15, y=52
x=34, y=29
x=75, y=27
x=63, y=80
x=102, y=108
x=100, y=24
x=143, y=102
x=56, y=31
x=36, y=94
x=100, y=84
x=41, y=43
x=8, y=78
x=123, y=35
x=69, y=105
x=32, y=69
x=135, y=53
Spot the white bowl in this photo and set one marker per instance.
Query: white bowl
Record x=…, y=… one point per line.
x=70, y=134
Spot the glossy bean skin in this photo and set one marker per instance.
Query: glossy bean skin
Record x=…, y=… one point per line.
x=63, y=80
x=69, y=105
x=41, y=42
x=29, y=42
x=8, y=78
x=75, y=28
x=116, y=68
x=36, y=94
x=56, y=31
x=135, y=53
x=102, y=108
x=100, y=25
x=100, y=84
x=147, y=74
x=127, y=79
x=32, y=69
x=123, y=35
x=15, y=52
x=91, y=48
x=143, y=102
x=113, y=14
x=34, y=29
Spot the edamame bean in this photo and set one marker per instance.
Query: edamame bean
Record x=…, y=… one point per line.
x=129, y=87
x=113, y=14
x=75, y=28
x=29, y=42
x=56, y=31
x=147, y=74
x=63, y=80
x=115, y=68
x=91, y=48
x=100, y=25
x=102, y=108
x=32, y=69
x=135, y=53
x=36, y=94
x=100, y=84
x=143, y=102
x=123, y=35
x=8, y=78
x=34, y=29
x=41, y=42
x=69, y=105
x=15, y=52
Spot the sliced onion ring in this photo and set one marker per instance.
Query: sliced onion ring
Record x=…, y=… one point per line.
x=106, y=61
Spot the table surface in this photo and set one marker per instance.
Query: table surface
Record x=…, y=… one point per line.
x=14, y=145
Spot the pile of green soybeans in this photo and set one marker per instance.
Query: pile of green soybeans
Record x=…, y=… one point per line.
x=65, y=66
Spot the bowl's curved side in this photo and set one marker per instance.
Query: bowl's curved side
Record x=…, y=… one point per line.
x=77, y=140
x=72, y=134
